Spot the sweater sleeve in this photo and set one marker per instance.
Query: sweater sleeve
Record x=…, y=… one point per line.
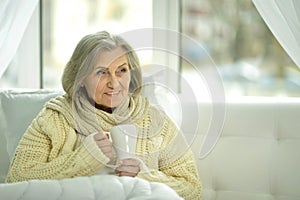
x=177, y=166
x=181, y=175
x=50, y=149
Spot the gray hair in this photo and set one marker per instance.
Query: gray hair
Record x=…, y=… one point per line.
x=82, y=61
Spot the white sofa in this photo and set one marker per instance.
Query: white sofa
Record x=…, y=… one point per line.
x=257, y=156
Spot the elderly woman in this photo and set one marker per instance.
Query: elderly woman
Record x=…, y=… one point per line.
x=102, y=81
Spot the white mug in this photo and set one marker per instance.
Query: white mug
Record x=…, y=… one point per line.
x=124, y=138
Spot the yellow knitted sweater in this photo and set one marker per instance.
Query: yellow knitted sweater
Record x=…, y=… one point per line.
x=51, y=148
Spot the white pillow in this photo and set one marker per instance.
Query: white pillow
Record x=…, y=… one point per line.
x=19, y=109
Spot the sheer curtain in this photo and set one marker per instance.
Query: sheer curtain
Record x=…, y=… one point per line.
x=14, y=18
x=283, y=19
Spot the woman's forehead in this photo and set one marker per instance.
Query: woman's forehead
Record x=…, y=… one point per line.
x=114, y=57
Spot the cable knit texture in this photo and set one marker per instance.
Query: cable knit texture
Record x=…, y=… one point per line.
x=59, y=144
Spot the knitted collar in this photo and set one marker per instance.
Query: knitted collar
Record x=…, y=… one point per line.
x=87, y=119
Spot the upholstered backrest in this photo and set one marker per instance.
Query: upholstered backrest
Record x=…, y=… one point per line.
x=257, y=156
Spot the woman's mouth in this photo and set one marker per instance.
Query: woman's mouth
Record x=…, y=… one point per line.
x=114, y=93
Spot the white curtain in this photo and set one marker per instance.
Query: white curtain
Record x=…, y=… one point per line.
x=283, y=19
x=14, y=18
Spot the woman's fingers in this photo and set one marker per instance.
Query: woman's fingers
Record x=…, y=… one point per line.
x=104, y=144
x=128, y=167
x=130, y=161
x=100, y=136
x=126, y=174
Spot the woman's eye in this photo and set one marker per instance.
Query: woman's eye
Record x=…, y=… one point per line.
x=101, y=72
x=123, y=70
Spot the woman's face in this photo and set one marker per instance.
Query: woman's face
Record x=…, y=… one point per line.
x=108, y=84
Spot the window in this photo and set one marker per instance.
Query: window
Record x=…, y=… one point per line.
x=249, y=59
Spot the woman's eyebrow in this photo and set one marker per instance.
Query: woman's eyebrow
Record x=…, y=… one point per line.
x=100, y=67
x=125, y=63
x=106, y=68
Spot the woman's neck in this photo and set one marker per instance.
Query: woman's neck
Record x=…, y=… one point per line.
x=104, y=108
x=99, y=106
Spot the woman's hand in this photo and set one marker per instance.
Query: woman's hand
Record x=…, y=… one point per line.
x=104, y=144
x=128, y=167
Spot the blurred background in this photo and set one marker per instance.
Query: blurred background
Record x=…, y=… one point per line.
x=236, y=40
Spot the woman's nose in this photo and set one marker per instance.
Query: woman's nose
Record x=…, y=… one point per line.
x=113, y=81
